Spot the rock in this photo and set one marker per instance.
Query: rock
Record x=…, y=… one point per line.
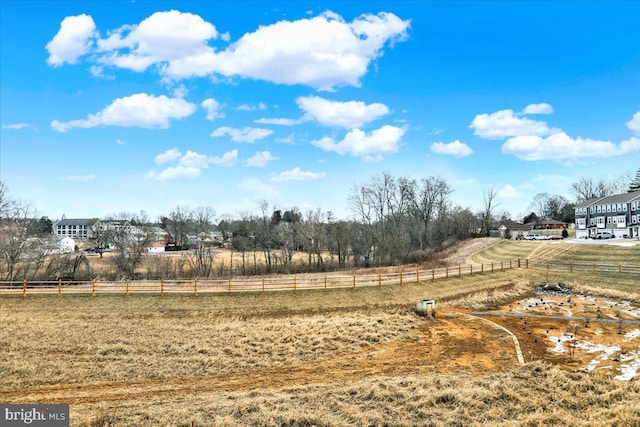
x=553, y=287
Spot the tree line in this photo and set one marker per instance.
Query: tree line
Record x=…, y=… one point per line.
x=394, y=220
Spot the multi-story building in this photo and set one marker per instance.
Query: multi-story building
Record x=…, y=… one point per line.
x=74, y=228
x=618, y=214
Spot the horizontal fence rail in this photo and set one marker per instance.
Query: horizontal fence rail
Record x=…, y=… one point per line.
x=293, y=282
x=586, y=267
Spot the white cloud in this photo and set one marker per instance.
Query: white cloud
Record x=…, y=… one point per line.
x=296, y=174
x=506, y=123
x=279, y=122
x=174, y=172
x=634, y=123
x=121, y=142
x=455, y=148
x=370, y=147
x=18, y=126
x=212, y=106
x=323, y=52
x=81, y=178
x=260, y=159
x=509, y=192
x=74, y=39
x=168, y=156
x=138, y=110
x=189, y=165
x=257, y=188
x=228, y=159
x=247, y=134
x=560, y=146
x=247, y=107
x=542, y=108
x=289, y=139
x=162, y=37
x=348, y=115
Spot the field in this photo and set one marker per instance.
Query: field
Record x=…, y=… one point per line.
x=343, y=357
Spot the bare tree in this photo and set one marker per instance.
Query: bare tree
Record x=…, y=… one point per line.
x=589, y=188
x=489, y=204
x=15, y=218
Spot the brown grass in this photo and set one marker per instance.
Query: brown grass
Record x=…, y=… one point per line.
x=312, y=358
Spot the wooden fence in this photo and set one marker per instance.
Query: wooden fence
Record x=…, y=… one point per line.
x=270, y=283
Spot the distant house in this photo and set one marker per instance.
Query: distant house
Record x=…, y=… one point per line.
x=66, y=245
x=515, y=229
x=552, y=224
x=618, y=214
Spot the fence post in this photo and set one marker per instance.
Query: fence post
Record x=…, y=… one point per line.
x=295, y=283
x=482, y=268
x=501, y=265
x=433, y=274
x=619, y=268
x=510, y=265
x=229, y=285
x=401, y=274
x=471, y=269
x=526, y=262
x=447, y=273
x=518, y=262
x=548, y=266
x=492, y=266
x=93, y=288
x=459, y=270
x=594, y=267
x=379, y=280
x=417, y=276
x=161, y=287
x=263, y=284
x=325, y=282
x=127, y=288
x=24, y=288
x=354, y=280
x=571, y=267
x=59, y=286
x=195, y=287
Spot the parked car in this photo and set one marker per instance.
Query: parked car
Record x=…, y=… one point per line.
x=555, y=237
x=535, y=237
x=603, y=235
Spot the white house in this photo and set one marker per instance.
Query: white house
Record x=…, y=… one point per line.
x=66, y=245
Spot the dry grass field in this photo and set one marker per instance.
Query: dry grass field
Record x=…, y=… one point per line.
x=326, y=358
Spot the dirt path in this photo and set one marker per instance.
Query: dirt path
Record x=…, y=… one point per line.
x=445, y=345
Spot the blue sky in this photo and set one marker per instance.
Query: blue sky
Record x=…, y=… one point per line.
x=111, y=107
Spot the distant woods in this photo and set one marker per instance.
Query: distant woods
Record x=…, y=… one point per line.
x=393, y=220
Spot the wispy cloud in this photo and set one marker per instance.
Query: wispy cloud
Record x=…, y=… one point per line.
x=296, y=174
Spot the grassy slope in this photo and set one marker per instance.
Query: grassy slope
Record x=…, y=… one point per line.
x=79, y=339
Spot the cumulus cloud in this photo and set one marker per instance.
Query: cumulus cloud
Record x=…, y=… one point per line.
x=542, y=108
x=138, y=110
x=296, y=174
x=323, y=51
x=260, y=159
x=18, y=126
x=369, y=147
x=560, y=146
x=348, y=115
x=213, y=109
x=75, y=38
x=279, y=122
x=455, y=148
x=634, y=123
x=189, y=165
x=509, y=192
x=168, y=156
x=161, y=38
x=247, y=107
x=506, y=123
x=227, y=160
x=247, y=134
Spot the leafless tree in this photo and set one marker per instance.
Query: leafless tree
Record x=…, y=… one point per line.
x=489, y=204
